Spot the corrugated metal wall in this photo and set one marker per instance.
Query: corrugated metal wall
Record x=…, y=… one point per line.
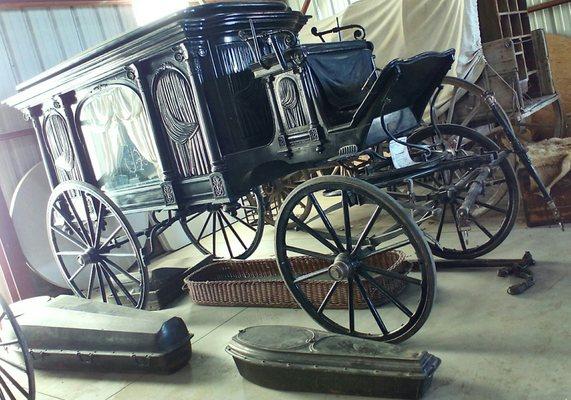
x=32, y=40
x=555, y=20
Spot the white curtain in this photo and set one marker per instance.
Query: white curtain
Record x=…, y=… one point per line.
x=105, y=118
x=404, y=28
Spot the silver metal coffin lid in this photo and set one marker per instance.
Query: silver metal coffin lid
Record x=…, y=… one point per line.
x=305, y=359
x=70, y=332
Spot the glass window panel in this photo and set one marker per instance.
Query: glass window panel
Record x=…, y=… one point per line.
x=118, y=138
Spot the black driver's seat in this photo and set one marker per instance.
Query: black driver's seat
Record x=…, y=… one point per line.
x=339, y=72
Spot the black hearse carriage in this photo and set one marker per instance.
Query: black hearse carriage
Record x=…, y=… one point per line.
x=192, y=113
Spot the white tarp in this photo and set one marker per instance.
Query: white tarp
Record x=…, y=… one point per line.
x=404, y=28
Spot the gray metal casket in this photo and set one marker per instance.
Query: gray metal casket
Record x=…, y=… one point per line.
x=308, y=360
x=73, y=333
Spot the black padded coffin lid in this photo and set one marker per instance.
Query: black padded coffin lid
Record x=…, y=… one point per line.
x=303, y=359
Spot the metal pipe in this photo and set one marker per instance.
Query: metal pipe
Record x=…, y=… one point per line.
x=546, y=5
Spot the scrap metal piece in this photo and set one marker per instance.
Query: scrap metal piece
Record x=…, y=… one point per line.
x=302, y=359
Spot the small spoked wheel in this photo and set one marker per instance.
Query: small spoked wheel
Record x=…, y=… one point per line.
x=276, y=192
x=495, y=211
x=355, y=234
x=16, y=370
x=95, y=246
x=227, y=230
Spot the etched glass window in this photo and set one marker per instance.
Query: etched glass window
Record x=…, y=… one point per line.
x=118, y=138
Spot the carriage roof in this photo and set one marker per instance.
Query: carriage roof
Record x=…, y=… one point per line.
x=204, y=22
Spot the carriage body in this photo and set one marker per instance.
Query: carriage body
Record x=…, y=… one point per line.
x=149, y=117
x=180, y=113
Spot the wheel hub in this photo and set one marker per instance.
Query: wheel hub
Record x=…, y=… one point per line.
x=342, y=267
x=89, y=257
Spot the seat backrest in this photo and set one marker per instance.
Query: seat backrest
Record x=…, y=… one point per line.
x=401, y=94
x=339, y=71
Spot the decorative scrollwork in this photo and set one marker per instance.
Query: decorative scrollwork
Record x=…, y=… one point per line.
x=168, y=193
x=291, y=103
x=218, y=186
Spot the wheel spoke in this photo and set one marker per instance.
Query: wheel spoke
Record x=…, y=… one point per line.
x=225, y=236
x=441, y=223
x=304, y=227
x=76, y=216
x=13, y=365
x=68, y=237
x=387, y=294
x=327, y=297
x=391, y=274
x=481, y=227
x=229, y=225
x=6, y=389
x=101, y=284
x=328, y=257
x=310, y=275
x=471, y=115
x=9, y=343
x=394, y=246
x=70, y=224
x=326, y=222
x=14, y=382
x=214, y=233
x=458, y=230
x=120, y=284
x=347, y=220
x=91, y=281
x=99, y=227
x=371, y=306
x=247, y=225
x=123, y=255
x=111, y=287
x=367, y=229
x=76, y=273
x=491, y=207
x=111, y=237
x=88, y=221
x=204, y=227
x=68, y=253
x=121, y=270
x=351, y=304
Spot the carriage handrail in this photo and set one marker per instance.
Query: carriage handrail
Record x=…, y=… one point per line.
x=359, y=34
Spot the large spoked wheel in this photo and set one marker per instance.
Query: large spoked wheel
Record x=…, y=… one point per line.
x=16, y=370
x=95, y=247
x=276, y=192
x=354, y=229
x=227, y=230
x=495, y=211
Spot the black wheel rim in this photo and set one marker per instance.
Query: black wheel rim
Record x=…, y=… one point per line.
x=227, y=231
x=495, y=211
x=345, y=236
x=95, y=246
x=16, y=370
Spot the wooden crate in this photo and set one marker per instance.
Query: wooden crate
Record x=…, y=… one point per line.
x=535, y=208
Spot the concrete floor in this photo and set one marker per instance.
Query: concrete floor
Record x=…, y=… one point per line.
x=492, y=345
